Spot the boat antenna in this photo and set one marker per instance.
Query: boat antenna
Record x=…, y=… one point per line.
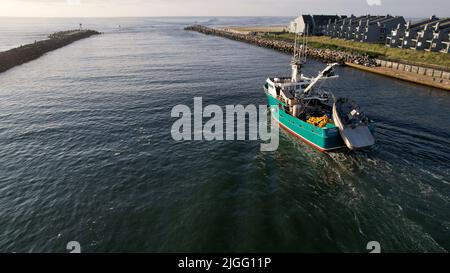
x=295, y=45
x=299, y=57
x=305, y=50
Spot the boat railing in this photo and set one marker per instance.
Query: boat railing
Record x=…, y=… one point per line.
x=282, y=80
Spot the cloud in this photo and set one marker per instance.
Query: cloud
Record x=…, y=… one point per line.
x=374, y=2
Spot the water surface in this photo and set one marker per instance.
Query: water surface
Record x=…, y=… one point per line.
x=87, y=153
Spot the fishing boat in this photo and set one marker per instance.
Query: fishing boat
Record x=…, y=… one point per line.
x=312, y=114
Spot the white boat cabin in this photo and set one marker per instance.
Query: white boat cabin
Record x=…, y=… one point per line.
x=285, y=87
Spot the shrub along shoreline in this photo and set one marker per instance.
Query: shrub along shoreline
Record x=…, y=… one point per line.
x=436, y=60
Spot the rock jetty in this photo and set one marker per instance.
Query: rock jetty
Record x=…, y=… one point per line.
x=26, y=53
x=326, y=55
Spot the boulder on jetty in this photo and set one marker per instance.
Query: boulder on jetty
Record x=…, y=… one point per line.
x=26, y=53
x=326, y=55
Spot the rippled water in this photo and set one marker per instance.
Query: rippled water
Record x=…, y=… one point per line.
x=87, y=155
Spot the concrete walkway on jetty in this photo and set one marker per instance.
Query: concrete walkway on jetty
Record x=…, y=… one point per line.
x=26, y=53
x=405, y=76
x=358, y=61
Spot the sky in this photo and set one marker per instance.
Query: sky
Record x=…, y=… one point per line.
x=132, y=8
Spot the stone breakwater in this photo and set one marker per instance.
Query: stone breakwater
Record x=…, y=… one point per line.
x=326, y=55
x=26, y=53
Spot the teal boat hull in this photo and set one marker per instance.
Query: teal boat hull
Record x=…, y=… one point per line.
x=323, y=139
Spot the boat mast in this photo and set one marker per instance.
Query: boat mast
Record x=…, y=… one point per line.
x=299, y=56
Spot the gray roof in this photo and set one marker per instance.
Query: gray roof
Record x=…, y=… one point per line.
x=320, y=20
x=308, y=19
x=356, y=20
x=393, y=19
x=381, y=19
x=423, y=23
x=323, y=19
x=444, y=24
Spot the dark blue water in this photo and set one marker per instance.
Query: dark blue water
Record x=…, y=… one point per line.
x=87, y=154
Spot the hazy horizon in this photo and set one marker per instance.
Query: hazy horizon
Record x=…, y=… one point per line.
x=216, y=8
